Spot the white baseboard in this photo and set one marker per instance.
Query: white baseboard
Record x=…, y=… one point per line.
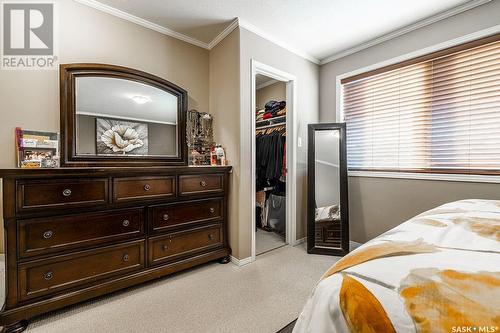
x=240, y=262
x=246, y=261
x=300, y=241
x=354, y=245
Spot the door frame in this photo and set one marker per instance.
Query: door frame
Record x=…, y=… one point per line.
x=291, y=148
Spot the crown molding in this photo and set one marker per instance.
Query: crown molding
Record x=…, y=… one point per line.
x=417, y=25
x=158, y=28
x=260, y=33
x=234, y=24
x=142, y=22
x=238, y=22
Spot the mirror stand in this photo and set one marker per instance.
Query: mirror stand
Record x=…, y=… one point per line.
x=327, y=202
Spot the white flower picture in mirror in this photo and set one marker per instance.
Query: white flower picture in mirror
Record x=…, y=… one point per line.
x=119, y=137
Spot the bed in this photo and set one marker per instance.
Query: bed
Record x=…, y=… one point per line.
x=437, y=272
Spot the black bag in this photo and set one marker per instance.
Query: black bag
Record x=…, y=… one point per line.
x=276, y=213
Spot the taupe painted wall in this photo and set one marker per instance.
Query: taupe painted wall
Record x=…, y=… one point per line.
x=307, y=74
x=377, y=204
x=230, y=103
x=162, y=139
x=224, y=106
x=30, y=99
x=86, y=133
x=275, y=91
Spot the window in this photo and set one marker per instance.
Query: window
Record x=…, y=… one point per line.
x=437, y=113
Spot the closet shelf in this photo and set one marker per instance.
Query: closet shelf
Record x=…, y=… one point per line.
x=269, y=126
x=271, y=119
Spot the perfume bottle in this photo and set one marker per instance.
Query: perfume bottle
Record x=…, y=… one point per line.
x=213, y=156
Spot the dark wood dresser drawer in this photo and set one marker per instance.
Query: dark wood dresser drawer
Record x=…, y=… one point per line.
x=50, y=234
x=177, y=215
x=184, y=243
x=43, y=277
x=328, y=233
x=126, y=189
x=201, y=184
x=61, y=193
x=73, y=234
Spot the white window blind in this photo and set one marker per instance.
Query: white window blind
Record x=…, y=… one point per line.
x=440, y=114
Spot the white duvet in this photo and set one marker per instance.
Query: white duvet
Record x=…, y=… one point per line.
x=438, y=272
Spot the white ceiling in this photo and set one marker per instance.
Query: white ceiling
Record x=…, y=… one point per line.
x=111, y=97
x=316, y=29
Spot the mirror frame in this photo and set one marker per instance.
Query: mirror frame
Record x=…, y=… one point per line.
x=311, y=193
x=69, y=157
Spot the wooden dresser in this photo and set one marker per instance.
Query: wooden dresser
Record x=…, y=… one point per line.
x=72, y=234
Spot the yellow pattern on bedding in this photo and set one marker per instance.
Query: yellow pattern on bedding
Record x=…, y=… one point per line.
x=485, y=227
x=383, y=250
x=440, y=300
x=438, y=272
x=362, y=311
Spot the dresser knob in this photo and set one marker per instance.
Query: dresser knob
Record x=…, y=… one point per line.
x=125, y=223
x=47, y=234
x=67, y=192
x=166, y=217
x=212, y=210
x=125, y=257
x=48, y=275
x=210, y=236
x=147, y=187
x=203, y=183
x=164, y=247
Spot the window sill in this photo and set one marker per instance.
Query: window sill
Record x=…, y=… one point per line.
x=427, y=176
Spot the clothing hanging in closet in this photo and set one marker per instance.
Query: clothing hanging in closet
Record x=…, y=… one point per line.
x=270, y=178
x=271, y=168
x=270, y=157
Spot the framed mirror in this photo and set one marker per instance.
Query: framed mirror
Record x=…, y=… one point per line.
x=118, y=116
x=327, y=202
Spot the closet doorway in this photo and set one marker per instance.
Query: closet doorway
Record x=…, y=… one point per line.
x=273, y=167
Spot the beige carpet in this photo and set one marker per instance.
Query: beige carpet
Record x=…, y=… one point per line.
x=266, y=241
x=261, y=297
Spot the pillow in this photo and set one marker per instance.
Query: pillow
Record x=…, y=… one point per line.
x=328, y=213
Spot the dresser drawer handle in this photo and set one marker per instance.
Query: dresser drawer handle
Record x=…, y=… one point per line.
x=125, y=223
x=164, y=248
x=125, y=257
x=211, y=236
x=147, y=187
x=67, y=192
x=48, y=234
x=203, y=183
x=166, y=217
x=47, y=276
x=212, y=210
